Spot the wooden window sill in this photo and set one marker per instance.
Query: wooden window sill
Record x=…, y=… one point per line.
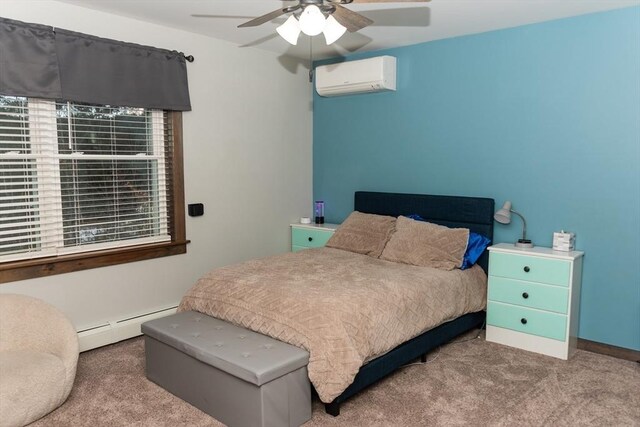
x=41, y=267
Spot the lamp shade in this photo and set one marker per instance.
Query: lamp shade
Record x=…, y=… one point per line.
x=290, y=30
x=503, y=215
x=333, y=30
x=312, y=21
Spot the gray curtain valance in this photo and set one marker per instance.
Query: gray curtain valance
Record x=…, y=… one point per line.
x=28, y=60
x=40, y=62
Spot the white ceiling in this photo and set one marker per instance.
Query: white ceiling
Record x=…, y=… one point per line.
x=396, y=24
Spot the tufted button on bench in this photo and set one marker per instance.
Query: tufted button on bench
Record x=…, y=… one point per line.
x=237, y=376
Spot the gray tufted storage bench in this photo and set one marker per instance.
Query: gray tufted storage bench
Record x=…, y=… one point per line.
x=239, y=377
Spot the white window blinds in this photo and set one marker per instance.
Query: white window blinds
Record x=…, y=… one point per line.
x=77, y=177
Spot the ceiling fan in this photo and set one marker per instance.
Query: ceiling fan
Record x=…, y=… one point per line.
x=313, y=17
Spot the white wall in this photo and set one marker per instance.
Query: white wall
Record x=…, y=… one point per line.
x=247, y=146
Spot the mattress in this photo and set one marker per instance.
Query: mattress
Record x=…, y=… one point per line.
x=342, y=307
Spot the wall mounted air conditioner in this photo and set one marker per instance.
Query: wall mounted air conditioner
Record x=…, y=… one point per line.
x=364, y=75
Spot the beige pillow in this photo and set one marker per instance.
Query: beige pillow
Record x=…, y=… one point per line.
x=426, y=244
x=363, y=234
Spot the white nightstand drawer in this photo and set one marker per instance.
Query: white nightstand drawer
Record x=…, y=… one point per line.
x=530, y=268
x=529, y=321
x=305, y=236
x=529, y=294
x=309, y=238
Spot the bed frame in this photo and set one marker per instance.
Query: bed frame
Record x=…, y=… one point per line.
x=473, y=213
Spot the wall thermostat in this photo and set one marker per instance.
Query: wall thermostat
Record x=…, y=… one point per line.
x=196, y=209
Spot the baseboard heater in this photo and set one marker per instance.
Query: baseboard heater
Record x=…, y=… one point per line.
x=119, y=330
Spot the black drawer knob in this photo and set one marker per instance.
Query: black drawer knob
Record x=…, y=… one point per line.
x=525, y=295
x=310, y=238
x=523, y=321
x=526, y=269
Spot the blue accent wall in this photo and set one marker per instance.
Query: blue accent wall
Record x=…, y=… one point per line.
x=545, y=115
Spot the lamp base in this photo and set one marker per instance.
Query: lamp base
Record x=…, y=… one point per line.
x=523, y=243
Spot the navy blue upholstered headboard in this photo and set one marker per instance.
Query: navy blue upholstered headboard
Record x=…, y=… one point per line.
x=474, y=213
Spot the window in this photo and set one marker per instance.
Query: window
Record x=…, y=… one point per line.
x=82, y=182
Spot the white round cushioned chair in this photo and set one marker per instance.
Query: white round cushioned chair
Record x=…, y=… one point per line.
x=38, y=359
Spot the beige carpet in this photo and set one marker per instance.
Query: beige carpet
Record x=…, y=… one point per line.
x=468, y=383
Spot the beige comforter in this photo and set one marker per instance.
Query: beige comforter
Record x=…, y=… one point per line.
x=344, y=308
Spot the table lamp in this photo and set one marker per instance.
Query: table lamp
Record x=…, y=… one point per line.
x=503, y=216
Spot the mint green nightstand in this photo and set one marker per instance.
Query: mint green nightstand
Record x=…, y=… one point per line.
x=534, y=299
x=305, y=236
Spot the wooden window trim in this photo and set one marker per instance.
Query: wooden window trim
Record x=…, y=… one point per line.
x=40, y=267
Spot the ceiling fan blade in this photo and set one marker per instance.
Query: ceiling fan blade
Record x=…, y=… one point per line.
x=264, y=18
x=418, y=16
x=351, y=20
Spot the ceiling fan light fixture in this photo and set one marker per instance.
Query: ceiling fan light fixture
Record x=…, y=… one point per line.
x=290, y=30
x=312, y=21
x=333, y=30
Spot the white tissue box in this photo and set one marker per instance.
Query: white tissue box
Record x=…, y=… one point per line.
x=564, y=241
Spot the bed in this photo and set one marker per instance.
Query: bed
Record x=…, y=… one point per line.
x=359, y=317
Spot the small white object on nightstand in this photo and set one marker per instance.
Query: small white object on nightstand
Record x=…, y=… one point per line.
x=564, y=241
